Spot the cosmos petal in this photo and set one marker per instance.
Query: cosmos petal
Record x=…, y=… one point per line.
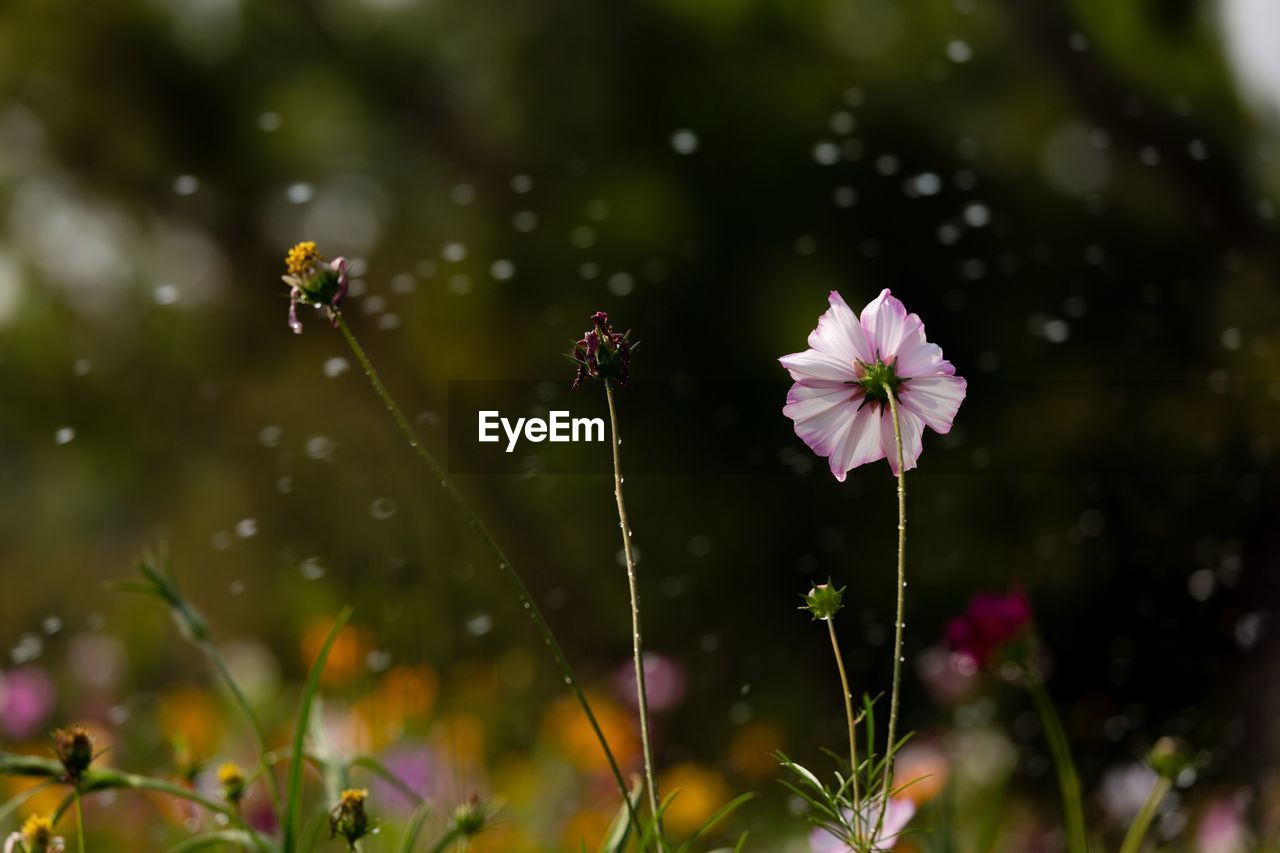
x=912, y=428
x=840, y=334
x=934, y=399
x=812, y=364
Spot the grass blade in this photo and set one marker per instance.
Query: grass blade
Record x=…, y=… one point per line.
x=293, y=805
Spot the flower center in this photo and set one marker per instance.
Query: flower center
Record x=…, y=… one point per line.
x=874, y=379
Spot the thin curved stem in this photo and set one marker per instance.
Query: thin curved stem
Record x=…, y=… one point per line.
x=1068, y=780
x=853, y=737
x=887, y=786
x=504, y=565
x=1141, y=823
x=642, y=696
x=242, y=702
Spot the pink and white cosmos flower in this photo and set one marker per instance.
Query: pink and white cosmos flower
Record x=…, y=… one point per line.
x=839, y=403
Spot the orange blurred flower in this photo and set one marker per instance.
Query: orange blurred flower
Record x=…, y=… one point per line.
x=701, y=791
x=751, y=751
x=189, y=716
x=567, y=729
x=346, y=657
x=923, y=768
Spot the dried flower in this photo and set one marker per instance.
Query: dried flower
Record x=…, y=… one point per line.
x=36, y=837
x=232, y=782
x=991, y=622
x=314, y=281
x=348, y=818
x=839, y=401
x=602, y=353
x=74, y=748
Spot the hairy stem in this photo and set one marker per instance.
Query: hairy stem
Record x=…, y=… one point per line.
x=1068, y=781
x=504, y=565
x=642, y=696
x=853, y=737
x=887, y=786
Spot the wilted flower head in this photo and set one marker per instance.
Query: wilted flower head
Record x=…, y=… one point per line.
x=314, y=281
x=36, y=837
x=839, y=401
x=348, y=818
x=897, y=814
x=232, y=782
x=74, y=748
x=992, y=621
x=602, y=353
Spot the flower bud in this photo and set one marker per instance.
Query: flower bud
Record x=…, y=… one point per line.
x=314, y=281
x=602, y=353
x=348, y=818
x=824, y=601
x=232, y=782
x=74, y=748
x=1169, y=757
x=470, y=817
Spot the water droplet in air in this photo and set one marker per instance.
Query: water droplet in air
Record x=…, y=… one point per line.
x=684, y=141
x=246, y=527
x=382, y=508
x=336, y=366
x=64, y=435
x=311, y=569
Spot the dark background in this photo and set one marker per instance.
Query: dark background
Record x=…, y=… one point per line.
x=1077, y=197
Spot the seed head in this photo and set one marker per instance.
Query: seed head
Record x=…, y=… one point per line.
x=823, y=601
x=348, y=818
x=74, y=748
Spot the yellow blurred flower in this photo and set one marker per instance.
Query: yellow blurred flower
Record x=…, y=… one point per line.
x=585, y=828
x=461, y=736
x=700, y=792
x=503, y=838
x=404, y=696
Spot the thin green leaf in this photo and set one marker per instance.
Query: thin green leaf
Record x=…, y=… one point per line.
x=720, y=814
x=293, y=804
x=18, y=799
x=615, y=840
x=379, y=769
x=414, y=829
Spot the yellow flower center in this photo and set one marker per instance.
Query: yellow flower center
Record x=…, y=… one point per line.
x=230, y=773
x=302, y=258
x=37, y=831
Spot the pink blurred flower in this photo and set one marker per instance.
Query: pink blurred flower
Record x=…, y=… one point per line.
x=838, y=401
x=896, y=817
x=665, y=681
x=27, y=698
x=1221, y=828
x=991, y=621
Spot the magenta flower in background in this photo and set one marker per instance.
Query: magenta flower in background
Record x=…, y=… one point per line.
x=665, y=682
x=838, y=401
x=991, y=621
x=27, y=698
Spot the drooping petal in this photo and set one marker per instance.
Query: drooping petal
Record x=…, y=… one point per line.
x=934, y=399
x=811, y=364
x=294, y=322
x=885, y=322
x=840, y=334
x=912, y=427
x=822, y=415
x=339, y=265
x=916, y=356
x=860, y=444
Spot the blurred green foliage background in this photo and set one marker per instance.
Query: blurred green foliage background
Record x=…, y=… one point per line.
x=1079, y=198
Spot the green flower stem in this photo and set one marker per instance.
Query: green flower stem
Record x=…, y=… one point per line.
x=1068, y=781
x=887, y=786
x=1141, y=823
x=853, y=738
x=448, y=838
x=504, y=565
x=642, y=695
x=79, y=822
